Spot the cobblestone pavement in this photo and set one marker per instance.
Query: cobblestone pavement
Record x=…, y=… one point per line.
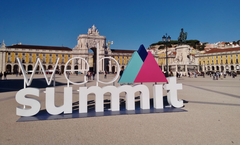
x=212, y=117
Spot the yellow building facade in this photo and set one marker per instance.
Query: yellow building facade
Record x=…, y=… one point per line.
x=220, y=60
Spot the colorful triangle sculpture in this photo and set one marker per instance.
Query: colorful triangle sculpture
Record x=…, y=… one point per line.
x=142, y=52
x=132, y=69
x=150, y=71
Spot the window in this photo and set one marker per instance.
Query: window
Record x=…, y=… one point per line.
x=37, y=54
x=16, y=53
x=30, y=54
x=50, y=54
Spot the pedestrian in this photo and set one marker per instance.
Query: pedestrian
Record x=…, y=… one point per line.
x=89, y=75
x=121, y=72
x=195, y=74
x=189, y=74
x=93, y=75
x=105, y=75
x=68, y=73
x=5, y=75
x=1, y=75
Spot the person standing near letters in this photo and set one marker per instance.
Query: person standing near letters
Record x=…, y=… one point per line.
x=93, y=75
x=5, y=75
x=1, y=75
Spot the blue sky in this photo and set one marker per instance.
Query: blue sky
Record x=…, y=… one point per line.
x=127, y=23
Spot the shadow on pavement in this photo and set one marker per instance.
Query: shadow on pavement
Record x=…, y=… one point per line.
x=17, y=84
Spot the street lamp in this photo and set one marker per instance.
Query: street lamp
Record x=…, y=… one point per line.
x=165, y=41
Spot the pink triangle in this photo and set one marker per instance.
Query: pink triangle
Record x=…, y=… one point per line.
x=150, y=71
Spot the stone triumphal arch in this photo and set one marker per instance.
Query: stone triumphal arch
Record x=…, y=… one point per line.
x=87, y=42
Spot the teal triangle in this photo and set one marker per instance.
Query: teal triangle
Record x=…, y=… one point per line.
x=132, y=69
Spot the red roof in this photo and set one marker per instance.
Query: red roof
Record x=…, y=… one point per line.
x=40, y=47
x=121, y=51
x=216, y=50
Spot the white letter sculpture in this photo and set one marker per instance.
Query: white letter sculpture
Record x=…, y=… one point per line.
x=172, y=88
x=67, y=103
x=21, y=99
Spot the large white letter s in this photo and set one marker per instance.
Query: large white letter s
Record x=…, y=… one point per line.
x=34, y=103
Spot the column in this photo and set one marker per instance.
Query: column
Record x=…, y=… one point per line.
x=4, y=62
x=1, y=61
x=110, y=65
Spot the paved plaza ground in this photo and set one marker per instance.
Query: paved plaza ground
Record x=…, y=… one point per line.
x=212, y=117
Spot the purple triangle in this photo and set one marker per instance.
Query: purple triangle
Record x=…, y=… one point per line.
x=142, y=52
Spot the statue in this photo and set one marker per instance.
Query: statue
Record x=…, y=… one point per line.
x=182, y=37
x=3, y=44
x=89, y=31
x=181, y=58
x=93, y=31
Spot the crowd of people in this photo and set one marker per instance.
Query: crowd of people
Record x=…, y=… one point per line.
x=3, y=74
x=215, y=75
x=91, y=74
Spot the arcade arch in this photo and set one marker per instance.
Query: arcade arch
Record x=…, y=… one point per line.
x=87, y=43
x=15, y=69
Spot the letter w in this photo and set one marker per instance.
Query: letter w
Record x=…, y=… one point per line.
x=29, y=81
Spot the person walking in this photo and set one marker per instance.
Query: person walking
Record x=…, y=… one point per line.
x=5, y=75
x=221, y=74
x=93, y=75
x=105, y=75
x=216, y=74
x=89, y=75
x=1, y=75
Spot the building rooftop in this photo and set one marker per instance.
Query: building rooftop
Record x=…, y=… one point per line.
x=216, y=50
x=40, y=47
x=121, y=51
